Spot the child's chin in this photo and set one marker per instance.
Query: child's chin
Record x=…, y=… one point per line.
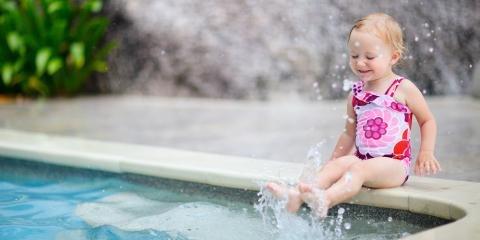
x=365, y=78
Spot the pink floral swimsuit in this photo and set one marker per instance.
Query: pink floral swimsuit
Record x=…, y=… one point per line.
x=383, y=124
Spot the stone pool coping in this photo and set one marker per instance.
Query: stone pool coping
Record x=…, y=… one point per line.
x=449, y=199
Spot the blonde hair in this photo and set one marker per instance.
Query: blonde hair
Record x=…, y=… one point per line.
x=385, y=27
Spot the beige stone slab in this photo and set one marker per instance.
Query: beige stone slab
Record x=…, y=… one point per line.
x=444, y=198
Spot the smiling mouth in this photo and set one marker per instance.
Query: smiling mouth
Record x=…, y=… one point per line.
x=364, y=71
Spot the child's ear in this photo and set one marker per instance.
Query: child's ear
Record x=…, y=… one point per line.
x=395, y=57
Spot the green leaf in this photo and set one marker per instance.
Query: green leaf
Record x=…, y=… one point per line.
x=8, y=6
x=41, y=60
x=93, y=6
x=18, y=64
x=54, y=65
x=14, y=41
x=7, y=73
x=77, y=51
x=54, y=6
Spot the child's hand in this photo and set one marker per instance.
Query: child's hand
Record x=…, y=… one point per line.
x=426, y=164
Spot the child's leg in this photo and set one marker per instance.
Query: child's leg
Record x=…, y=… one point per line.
x=379, y=172
x=329, y=173
x=333, y=170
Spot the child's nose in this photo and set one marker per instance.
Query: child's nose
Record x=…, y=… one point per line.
x=360, y=63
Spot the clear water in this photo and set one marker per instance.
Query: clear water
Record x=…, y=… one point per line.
x=41, y=201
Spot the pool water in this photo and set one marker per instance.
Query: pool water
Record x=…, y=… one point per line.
x=41, y=201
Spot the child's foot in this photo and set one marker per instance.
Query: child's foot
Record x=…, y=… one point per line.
x=315, y=198
x=294, y=201
x=277, y=190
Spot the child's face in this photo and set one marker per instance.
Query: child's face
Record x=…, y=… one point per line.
x=370, y=57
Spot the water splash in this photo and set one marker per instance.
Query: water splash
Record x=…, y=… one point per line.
x=283, y=225
x=315, y=161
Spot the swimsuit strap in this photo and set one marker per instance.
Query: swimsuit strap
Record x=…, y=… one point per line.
x=393, y=87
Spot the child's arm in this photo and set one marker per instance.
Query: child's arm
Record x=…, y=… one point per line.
x=347, y=138
x=426, y=162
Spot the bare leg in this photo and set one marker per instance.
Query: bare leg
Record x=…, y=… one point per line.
x=379, y=172
x=315, y=198
x=333, y=170
x=330, y=173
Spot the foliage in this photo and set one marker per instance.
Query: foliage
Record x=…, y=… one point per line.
x=50, y=47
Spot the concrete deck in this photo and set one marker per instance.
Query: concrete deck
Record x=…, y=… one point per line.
x=278, y=131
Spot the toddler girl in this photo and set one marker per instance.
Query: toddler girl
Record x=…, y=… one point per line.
x=379, y=109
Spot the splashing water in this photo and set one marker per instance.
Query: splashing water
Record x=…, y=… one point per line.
x=315, y=161
x=304, y=225
x=283, y=225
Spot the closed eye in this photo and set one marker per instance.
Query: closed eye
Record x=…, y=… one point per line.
x=354, y=56
x=370, y=58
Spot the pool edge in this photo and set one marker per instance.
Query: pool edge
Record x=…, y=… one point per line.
x=448, y=199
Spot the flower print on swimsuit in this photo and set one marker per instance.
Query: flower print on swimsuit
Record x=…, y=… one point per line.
x=375, y=128
x=372, y=131
x=402, y=147
x=398, y=107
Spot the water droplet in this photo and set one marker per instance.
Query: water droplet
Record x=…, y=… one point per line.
x=426, y=25
x=341, y=211
x=347, y=226
x=424, y=91
x=390, y=219
x=470, y=66
x=416, y=39
x=162, y=52
x=430, y=49
x=347, y=85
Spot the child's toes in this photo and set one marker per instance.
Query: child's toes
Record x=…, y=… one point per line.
x=304, y=188
x=277, y=190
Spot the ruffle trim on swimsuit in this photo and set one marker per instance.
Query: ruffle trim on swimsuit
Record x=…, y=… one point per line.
x=363, y=97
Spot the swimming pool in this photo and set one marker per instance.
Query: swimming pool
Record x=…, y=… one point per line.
x=44, y=201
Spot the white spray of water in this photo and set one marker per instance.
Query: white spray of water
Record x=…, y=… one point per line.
x=303, y=225
x=315, y=161
x=283, y=225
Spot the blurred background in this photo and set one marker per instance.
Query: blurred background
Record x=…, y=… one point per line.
x=256, y=78
x=248, y=49
x=254, y=49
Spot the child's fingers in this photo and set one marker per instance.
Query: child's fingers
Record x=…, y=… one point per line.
x=427, y=167
x=438, y=166
x=433, y=167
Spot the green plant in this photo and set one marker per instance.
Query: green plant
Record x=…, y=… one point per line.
x=50, y=47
